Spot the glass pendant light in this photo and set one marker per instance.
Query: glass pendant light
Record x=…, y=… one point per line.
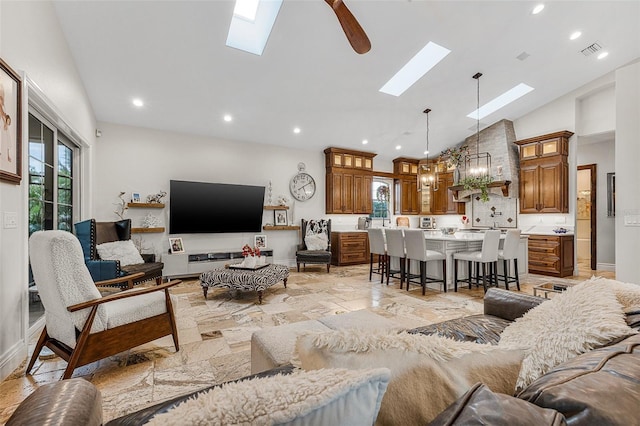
x=478, y=164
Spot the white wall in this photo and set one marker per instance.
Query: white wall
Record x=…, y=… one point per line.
x=603, y=155
x=31, y=42
x=627, y=171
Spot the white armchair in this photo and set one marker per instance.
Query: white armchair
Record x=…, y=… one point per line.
x=81, y=326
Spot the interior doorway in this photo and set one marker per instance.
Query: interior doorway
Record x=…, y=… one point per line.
x=586, y=222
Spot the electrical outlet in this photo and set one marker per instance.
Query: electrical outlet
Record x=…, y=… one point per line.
x=10, y=220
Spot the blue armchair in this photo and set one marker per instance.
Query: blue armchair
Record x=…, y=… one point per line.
x=91, y=233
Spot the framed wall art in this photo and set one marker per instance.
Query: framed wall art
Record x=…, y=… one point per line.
x=280, y=218
x=260, y=241
x=175, y=245
x=10, y=124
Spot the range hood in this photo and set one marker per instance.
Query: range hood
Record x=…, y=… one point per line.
x=498, y=140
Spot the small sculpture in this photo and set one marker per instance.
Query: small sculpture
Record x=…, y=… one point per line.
x=156, y=198
x=150, y=221
x=282, y=200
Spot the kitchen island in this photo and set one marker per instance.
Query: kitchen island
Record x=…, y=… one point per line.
x=464, y=240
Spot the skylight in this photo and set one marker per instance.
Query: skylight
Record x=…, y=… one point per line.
x=251, y=24
x=505, y=99
x=413, y=70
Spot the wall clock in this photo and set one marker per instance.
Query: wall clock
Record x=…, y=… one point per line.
x=302, y=185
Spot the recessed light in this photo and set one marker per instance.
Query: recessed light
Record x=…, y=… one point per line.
x=364, y=142
x=575, y=35
x=296, y=130
x=427, y=58
x=398, y=146
x=537, y=9
x=138, y=102
x=426, y=153
x=227, y=118
x=603, y=55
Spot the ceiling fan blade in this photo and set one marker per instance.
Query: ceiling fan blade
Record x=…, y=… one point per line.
x=352, y=29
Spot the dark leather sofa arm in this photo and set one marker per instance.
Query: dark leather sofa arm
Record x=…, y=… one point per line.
x=509, y=305
x=146, y=414
x=66, y=403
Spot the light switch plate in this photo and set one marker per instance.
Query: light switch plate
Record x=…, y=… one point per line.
x=10, y=220
x=632, y=220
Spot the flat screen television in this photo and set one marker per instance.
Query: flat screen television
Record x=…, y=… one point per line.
x=202, y=208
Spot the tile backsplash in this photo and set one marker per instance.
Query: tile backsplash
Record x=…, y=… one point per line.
x=499, y=211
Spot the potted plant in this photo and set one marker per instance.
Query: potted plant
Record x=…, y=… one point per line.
x=478, y=182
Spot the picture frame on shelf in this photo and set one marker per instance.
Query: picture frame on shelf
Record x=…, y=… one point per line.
x=10, y=124
x=280, y=218
x=135, y=197
x=176, y=245
x=260, y=241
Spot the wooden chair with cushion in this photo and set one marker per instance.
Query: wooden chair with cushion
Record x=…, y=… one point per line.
x=81, y=326
x=316, y=243
x=91, y=234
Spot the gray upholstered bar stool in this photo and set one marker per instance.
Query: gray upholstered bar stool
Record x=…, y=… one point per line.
x=416, y=246
x=377, y=246
x=508, y=253
x=487, y=256
x=395, y=250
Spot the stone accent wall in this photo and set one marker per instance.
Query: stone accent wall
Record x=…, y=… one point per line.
x=498, y=140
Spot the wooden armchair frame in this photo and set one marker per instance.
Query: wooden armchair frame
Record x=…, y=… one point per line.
x=91, y=347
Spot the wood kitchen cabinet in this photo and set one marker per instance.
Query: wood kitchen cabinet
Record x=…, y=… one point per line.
x=349, y=178
x=551, y=255
x=544, y=173
x=442, y=199
x=349, y=248
x=407, y=199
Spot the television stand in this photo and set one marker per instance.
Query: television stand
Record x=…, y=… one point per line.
x=191, y=264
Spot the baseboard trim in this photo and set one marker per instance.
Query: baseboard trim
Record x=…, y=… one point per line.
x=12, y=359
x=609, y=267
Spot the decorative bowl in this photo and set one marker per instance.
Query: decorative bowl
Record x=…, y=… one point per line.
x=448, y=230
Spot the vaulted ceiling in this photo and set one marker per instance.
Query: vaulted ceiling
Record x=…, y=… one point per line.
x=172, y=55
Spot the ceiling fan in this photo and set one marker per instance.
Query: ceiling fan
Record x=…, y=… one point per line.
x=352, y=29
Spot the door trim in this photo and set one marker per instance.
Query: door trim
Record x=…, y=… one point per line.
x=594, y=215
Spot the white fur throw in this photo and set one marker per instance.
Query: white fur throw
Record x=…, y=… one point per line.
x=582, y=318
x=316, y=241
x=124, y=251
x=322, y=397
x=628, y=294
x=428, y=373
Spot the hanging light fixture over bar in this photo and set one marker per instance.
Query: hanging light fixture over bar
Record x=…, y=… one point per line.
x=478, y=164
x=428, y=172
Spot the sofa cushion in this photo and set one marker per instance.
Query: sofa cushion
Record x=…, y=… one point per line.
x=328, y=397
x=483, y=329
x=481, y=406
x=427, y=372
x=600, y=387
x=582, y=318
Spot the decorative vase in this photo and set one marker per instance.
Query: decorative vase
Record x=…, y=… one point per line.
x=456, y=175
x=249, y=262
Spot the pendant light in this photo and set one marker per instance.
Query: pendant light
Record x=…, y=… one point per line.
x=428, y=171
x=478, y=164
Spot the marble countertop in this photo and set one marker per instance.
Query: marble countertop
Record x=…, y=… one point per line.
x=547, y=230
x=459, y=236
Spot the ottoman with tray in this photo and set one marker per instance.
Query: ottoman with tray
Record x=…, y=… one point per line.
x=254, y=279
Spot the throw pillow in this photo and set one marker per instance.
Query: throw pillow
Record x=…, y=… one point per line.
x=316, y=242
x=323, y=397
x=124, y=251
x=582, y=318
x=427, y=372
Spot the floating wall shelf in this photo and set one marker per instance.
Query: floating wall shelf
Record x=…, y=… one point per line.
x=281, y=228
x=146, y=205
x=146, y=230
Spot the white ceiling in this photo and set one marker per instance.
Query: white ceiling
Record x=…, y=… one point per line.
x=172, y=54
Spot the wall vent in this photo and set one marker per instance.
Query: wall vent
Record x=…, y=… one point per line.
x=589, y=50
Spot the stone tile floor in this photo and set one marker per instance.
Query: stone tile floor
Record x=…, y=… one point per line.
x=215, y=333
